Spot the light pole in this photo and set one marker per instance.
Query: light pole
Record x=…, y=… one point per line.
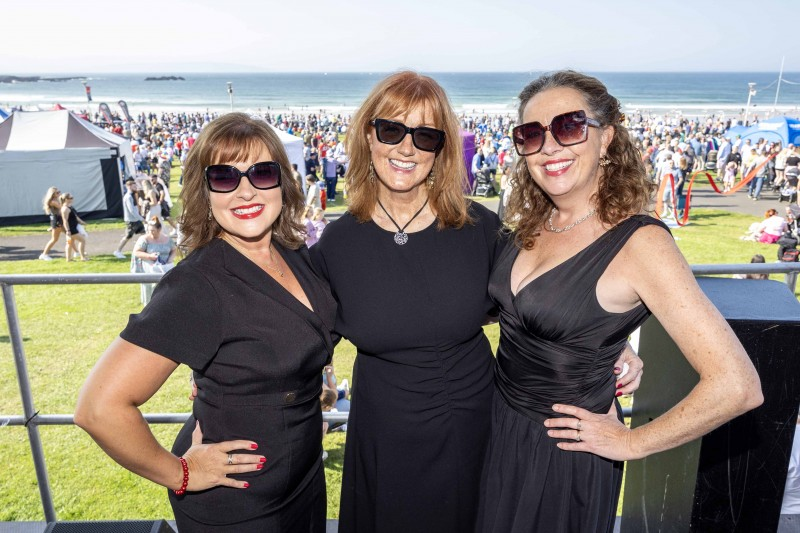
x=230, y=93
x=750, y=94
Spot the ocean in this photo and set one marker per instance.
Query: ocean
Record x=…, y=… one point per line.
x=481, y=92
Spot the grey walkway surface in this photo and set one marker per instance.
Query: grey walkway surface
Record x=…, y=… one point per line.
x=105, y=242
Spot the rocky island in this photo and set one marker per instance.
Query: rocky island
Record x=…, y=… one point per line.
x=33, y=79
x=165, y=78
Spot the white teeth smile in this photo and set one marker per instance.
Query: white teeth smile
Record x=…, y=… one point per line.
x=555, y=167
x=249, y=210
x=402, y=164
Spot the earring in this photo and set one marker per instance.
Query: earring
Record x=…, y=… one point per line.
x=431, y=179
x=210, y=216
x=604, y=161
x=371, y=172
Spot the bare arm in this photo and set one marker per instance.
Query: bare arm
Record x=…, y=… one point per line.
x=124, y=378
x=728, y=386
x=64, y=217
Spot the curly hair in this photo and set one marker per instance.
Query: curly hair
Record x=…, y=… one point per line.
x=235, y=137
x=398, y=94
x=623, y=189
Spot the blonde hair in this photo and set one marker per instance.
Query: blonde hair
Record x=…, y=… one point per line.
x=235, y=137
x=623, y=189
x=49, y=196
x=396, y=95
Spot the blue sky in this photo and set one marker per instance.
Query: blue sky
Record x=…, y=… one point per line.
x=168, y=36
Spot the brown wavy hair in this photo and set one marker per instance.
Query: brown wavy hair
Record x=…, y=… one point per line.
x=623, y=189
x=396, y=95
x=235, y=137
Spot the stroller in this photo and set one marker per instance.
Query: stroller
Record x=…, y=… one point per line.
x=711, y=160
x=787, y=192
x=484, y=185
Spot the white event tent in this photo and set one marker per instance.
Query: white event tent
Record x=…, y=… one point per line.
x=45, y=149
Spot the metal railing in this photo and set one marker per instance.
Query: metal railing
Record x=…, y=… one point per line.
x=32, y=419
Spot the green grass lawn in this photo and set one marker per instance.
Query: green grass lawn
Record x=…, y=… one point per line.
x=66, y=328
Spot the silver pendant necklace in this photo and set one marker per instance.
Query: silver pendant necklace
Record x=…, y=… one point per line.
x=568, y=227
x=400, y=236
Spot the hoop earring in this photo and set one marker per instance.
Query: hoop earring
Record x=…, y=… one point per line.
x=371, y=172
x=431, y=179
x=604, y=161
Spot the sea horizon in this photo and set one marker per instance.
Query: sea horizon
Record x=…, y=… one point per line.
x=694, y=93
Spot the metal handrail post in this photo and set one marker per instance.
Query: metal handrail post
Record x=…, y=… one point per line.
x=28, y=410
x=791, y=280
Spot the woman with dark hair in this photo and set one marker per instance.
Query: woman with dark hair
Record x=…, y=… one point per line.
x=246, y=312
x=576, y=278
x=409, y=265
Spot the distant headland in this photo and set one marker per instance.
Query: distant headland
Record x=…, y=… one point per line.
x=33, y=79
x=165, y=78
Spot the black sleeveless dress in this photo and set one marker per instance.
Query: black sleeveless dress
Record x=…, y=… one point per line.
x=557, y=345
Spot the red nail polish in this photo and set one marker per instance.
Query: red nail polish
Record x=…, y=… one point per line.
x=246, y=485
x=618, y=394
x=259, y=466
x=619, y=385
x=262, y=460
x=254, y=446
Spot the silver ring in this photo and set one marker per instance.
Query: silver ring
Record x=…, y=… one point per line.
x=230, y=458
x=578, y=438
x=579, y=425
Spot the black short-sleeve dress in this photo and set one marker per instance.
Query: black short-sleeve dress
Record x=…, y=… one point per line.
x=419, y=417
x=257, y=353
x=557, y=345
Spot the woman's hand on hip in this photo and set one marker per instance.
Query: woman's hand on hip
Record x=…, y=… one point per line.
x=211, y=464
x=600, y=434
x=629, y=369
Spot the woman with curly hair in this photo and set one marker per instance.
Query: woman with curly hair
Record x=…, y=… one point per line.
x=576, y=278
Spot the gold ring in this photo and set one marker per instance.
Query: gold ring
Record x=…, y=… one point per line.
x=230, y=458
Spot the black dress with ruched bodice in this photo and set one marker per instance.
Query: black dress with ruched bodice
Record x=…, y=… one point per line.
x=557, y=345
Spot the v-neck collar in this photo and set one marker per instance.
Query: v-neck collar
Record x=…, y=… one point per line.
x=241, y=267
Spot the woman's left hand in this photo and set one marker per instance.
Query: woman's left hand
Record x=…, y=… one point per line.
x=600, y=434
x=628, y=382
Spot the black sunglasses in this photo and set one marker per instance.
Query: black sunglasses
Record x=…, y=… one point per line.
x=391, y=132
x=225, y=178
x=568, y=129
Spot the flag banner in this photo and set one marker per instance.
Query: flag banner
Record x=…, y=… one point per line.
x=124, y=106
x=88, y=92
x=104, y=109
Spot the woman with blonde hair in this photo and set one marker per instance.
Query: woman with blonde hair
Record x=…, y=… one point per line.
x=52, y=208
x=76, y=242
x=245, y=311
x=151, y=207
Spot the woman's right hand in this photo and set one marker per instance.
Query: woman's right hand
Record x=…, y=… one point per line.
x=211, y=464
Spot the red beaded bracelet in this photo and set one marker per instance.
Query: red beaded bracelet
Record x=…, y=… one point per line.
x=185, y=467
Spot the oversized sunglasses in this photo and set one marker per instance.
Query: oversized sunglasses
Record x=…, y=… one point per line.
x=225, y=178
x=425, y=138
x=568, y=129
